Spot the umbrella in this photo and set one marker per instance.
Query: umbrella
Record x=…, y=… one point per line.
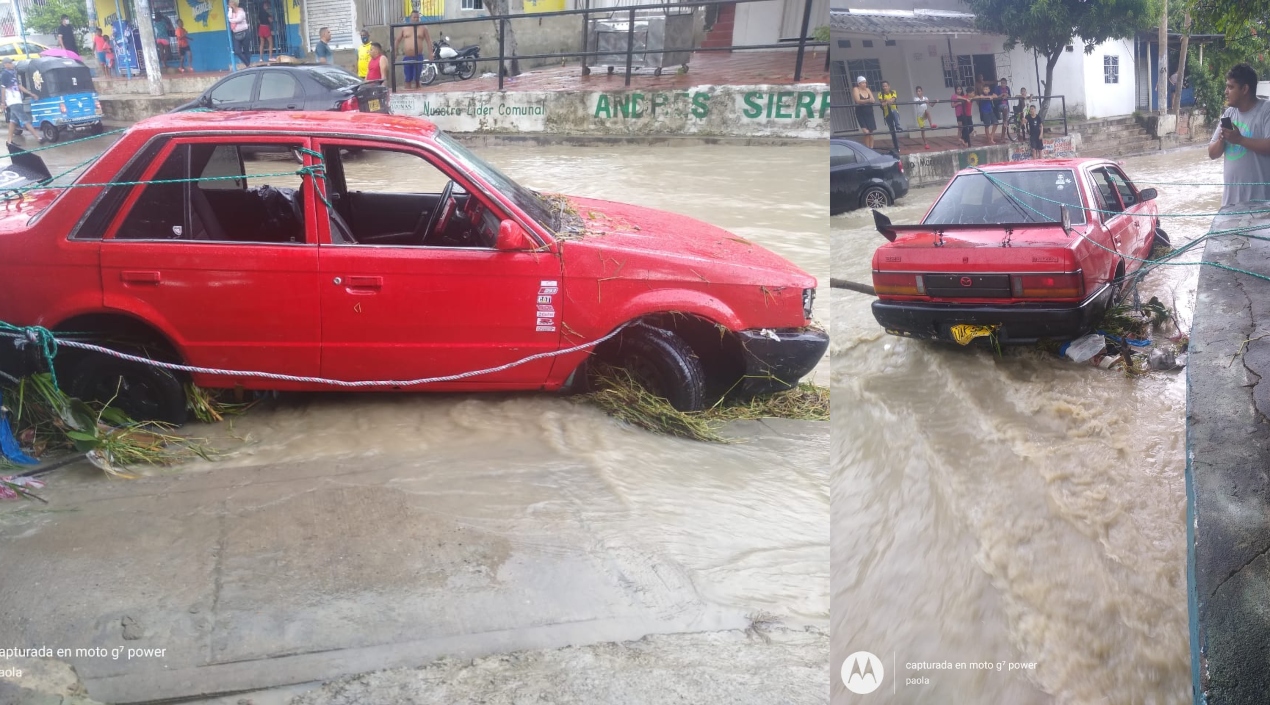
x=62, y=53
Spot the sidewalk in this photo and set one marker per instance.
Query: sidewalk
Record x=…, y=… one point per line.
x=1228, y=452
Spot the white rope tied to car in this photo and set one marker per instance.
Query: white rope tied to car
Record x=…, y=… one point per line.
x=332, y=382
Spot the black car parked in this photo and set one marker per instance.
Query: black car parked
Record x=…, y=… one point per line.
x=862, y=178
x=304, y=87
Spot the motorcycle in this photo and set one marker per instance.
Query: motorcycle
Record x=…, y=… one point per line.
x=450, y=62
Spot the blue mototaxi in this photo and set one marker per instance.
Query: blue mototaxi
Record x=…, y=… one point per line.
x=67, y=100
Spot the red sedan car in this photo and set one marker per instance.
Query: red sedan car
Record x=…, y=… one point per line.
x=368, y=247
x=1034, y=250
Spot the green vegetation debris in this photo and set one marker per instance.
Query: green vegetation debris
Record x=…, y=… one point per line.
x=206, y=404
x=619, y=395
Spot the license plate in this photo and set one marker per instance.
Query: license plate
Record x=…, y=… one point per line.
x=373, y=105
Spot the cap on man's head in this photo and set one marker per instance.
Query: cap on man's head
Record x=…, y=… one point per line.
x=860, y=79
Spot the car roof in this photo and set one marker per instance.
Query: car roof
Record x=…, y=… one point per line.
x=284, y=121
x=302, y=68
x=1034, y=164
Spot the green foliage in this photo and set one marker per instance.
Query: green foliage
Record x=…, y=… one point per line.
x=821, y=33
x=47, y=17
x=1208, y=87
x=1231, y=17
x=1048, y=26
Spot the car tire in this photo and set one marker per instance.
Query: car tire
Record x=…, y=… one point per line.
x=97, y=128
x=1159, y=237
x=49, y=132
x=875, y=197
x=666, y=365
x=143, y=392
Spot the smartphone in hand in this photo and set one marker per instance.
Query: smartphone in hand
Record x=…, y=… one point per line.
x=1226, y=124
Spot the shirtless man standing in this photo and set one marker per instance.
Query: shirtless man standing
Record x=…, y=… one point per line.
x=417, y=47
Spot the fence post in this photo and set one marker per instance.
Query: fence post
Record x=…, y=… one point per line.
x=502, y=56
x=392, y=60
x=1064, y=99
x=630, y=43
x=586, y=20
x=802, y=41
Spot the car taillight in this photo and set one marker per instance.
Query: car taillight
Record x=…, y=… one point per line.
x=350, y=104
x=900, y=164
x=898, y=284
x=63, y=107
x=1047, y=286
x=97, y=105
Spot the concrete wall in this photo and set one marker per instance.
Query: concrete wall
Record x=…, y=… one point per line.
x=926, y=169
x=719, y=111
x=758, y=22
x=1104, y=99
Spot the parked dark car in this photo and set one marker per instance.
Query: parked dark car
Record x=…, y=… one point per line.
x=862, y=178
x=306, y=87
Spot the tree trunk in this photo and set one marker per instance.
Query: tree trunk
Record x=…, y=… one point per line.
x=1181, y=64
x=1051, y=60
x=149, y=50
x=511, y=65
x=1162, y=75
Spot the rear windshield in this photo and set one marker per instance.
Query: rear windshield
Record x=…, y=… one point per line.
x=1009, y=197
x=333, y=78
x=69, y=79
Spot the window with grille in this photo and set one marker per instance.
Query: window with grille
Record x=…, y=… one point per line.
x=963, y=73
x=473, y=5
x=1111, y=69
x=871, y=69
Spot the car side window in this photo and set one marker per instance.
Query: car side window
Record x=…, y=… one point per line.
x=840, y=154
x=279, y=85
x=234, y=90
x=240, y=193
x=1128, y=195
x=1108, y=202
x=390, y=197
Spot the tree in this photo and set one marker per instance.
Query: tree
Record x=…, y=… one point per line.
x=504, y=7
x=1049, y=26
x=1231, y=16
x=47, y=17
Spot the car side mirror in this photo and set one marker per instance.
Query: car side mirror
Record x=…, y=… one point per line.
x=1147, y=194
x=1065, y=218
x=205, y=100
x=512, y=237
x=883, y=224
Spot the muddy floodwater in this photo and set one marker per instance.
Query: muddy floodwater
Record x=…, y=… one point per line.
x=1017, y=510
x=468, y=524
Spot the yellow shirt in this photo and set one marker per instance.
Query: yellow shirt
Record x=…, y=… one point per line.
x=886, y=109
x=363, y=60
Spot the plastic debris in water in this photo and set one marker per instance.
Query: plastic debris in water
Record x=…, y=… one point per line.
x=9, y=483
x=1084, y=348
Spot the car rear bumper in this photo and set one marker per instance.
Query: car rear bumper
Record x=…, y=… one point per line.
x=1019, y=323
x=900, y=186
x=776, y=359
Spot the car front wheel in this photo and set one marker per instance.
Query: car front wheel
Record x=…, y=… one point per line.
x=665, y=365
x=875, y=197
x=143, y=392
x=49, y=131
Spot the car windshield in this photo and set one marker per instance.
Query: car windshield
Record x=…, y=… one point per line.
x=333, y=78
x=534, y=204
x=1009, y=197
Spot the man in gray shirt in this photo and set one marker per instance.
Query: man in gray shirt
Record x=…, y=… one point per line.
x=1246, y=143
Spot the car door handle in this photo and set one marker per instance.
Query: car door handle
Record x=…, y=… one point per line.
x=137, y=277
x=364, y=282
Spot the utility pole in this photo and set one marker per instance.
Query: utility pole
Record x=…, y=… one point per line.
x=1162, y=75
x=149, y=50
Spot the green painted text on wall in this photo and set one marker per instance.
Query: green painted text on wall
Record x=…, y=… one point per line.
x=786, y=105
x=638, y=105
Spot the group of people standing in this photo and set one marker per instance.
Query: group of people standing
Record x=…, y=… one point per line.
x=240, y=28
x=992, y=103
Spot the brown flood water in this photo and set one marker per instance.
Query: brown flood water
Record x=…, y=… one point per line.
x=1020, y=509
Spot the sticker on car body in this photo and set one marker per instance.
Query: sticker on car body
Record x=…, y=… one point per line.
x=546, y=303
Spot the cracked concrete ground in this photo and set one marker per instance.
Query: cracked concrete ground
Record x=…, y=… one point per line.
x=1228, y=441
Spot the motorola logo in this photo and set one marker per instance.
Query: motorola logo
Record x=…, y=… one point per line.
x=862, y=673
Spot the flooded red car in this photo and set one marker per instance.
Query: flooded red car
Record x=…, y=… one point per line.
x=292, y=244
x=1031, y=250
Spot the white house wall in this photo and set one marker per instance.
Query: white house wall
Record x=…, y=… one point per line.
x=758, y=22
x=1104, y=99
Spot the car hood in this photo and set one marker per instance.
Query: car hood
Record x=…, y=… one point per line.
x=696, y=248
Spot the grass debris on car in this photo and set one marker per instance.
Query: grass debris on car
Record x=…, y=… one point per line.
x=621, y=396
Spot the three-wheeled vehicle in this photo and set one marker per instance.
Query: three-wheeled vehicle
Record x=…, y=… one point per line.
x=67, y=100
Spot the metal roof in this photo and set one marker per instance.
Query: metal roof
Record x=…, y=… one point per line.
x=891, y=23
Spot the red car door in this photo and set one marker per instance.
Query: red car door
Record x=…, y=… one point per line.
x=1119, y=225
x=226, y=267
x=399, y=303
x=1138, y=213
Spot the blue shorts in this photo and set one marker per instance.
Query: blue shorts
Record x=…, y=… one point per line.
x=413, y=68
x=14, y=115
